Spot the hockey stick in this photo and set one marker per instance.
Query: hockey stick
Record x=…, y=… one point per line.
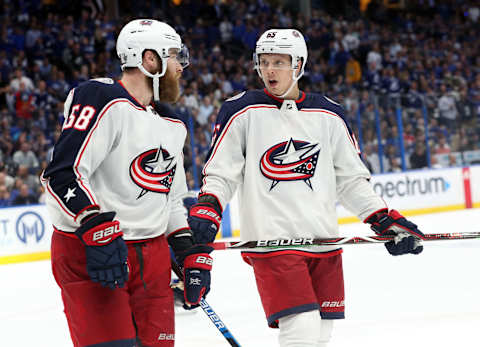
x=302, y=242
x=210, y=312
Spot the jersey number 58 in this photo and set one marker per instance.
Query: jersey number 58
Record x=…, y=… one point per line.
x=80, y=120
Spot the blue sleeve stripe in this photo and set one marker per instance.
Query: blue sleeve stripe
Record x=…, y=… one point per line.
x=56, y=197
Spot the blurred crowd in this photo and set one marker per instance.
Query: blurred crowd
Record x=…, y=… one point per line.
x=423, y=59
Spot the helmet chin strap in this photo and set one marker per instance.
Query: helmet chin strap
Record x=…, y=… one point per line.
x=294, y=80
x=156, y=81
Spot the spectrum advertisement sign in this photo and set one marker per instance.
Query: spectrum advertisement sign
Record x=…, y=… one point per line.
x=418, y=189
x=24, y=229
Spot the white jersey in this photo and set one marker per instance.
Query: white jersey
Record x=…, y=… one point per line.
x=290, y=162
x=120, y=156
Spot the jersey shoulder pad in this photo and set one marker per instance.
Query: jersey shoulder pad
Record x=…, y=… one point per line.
x=318, y=101
x=168, y=111
x=101, y=91
x=235, y=97
x=165, y=110
x=241, y=101
x=104, y=80
x=331, y=101
x=95, y=93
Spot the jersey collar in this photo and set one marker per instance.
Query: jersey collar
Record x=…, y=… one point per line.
x=299, y=100
x=132, y=98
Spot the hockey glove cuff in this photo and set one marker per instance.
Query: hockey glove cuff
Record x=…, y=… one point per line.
x=180, y=241
x=407, y=236
x=204, y=218
x=105, y=249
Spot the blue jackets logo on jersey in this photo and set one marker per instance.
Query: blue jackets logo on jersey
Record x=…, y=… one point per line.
x=153, y=171
x=291, y=160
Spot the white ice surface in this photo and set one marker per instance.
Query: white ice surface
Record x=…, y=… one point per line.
x=432, y=299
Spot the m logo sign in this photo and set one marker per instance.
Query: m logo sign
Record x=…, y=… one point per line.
x=30, y=225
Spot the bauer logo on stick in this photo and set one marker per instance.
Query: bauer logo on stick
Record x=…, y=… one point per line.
x=276, y=243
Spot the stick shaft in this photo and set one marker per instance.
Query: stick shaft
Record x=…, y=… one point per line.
x=214, y=318
x=305, y=242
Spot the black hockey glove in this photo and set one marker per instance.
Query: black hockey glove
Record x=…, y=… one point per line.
x=105, y=249
x=204, y=218
x=407, y=236
x=196, y=262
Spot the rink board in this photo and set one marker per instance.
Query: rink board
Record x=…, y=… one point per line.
x=25, y=232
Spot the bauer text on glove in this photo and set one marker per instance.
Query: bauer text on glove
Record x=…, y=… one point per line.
x=204, y=218
x=105, y=250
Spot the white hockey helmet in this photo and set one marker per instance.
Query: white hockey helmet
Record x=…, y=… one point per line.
x=282, y=41
x=142, y=34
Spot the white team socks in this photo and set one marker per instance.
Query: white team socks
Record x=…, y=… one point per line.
x=302, y=330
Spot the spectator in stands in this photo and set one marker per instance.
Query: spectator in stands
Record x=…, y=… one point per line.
x=205, y=110
x=465, y=106
x=409, y=137
x=431, y=100
x=4, y=196
x=442, y=147
x=6, y=180
x=30, y=180
x=25, y=156
x=353, y=71
x=25, y=197
x=238, y=82
x=15, y=83
x=418, y=159
x=452, y=160
x=435, y=129
x=413, y=98
x=24, y=102
x=392, y=85
x=374, y=57
x=370, y=158
x=447, y=108
x=225, y=85
x=41, y=96
x=474, y=142
x=16, y=189
x=435, y=164
x=191, y=96
x=182, y=111
x=202, y=145
x=395, y=165
x=6, y=140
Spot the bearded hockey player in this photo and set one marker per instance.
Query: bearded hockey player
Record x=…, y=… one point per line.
x=115, y=187
x=290, y=156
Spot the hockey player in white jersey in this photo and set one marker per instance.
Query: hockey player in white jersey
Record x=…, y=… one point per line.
x=290, y=156
x=115, y=187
